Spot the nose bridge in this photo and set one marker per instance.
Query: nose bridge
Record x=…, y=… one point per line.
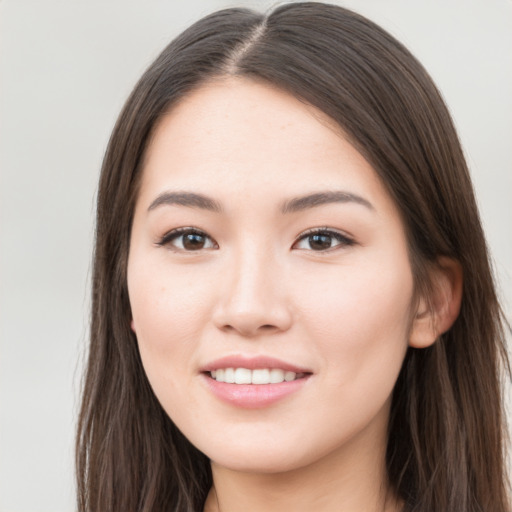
x=254, y=298
x=253, y=273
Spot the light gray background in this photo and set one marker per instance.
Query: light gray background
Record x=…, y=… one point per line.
x=66, y=67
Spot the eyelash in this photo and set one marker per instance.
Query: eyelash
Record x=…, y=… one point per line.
x=168, y=238
x=344, y=240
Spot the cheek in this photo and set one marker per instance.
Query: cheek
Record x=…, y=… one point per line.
x=359, y=321
x=359, y=317
x=168, y=310
x=166, y=304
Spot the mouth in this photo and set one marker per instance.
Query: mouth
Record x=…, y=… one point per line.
x=258, y=376
x=253, y=382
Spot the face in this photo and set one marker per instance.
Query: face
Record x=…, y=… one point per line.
x=265, y=251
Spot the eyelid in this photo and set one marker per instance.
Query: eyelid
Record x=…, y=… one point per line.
x=165, y=241
x=169, y=236
x=344, y=239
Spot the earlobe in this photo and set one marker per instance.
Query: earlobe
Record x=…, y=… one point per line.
x=435, y=316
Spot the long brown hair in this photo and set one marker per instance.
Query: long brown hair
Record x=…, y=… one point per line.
x=445, y=448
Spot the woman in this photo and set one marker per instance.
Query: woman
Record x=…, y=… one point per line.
x=292, y=301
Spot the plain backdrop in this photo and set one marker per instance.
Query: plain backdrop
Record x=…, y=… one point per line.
x=66, y=67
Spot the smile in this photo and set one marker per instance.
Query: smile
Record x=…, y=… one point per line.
x=253, y=382
x=256, y=376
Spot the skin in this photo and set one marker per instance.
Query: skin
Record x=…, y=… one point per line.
x=257, y=287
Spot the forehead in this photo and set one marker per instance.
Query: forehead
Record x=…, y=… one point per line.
x=239, y=135
x=239, y=110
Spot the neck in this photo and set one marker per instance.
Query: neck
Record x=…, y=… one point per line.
x=348, y=480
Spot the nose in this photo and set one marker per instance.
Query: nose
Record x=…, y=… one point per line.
x=252, y=298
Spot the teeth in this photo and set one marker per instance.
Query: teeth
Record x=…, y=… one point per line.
x=289, y=376
x=229, y=375
x=242, y=376
x=260, y=376
x=276, y=376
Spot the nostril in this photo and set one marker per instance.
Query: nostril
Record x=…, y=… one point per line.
x=248, y=330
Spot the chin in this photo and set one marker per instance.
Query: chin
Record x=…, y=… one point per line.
x=267, y=464
x=263, y=456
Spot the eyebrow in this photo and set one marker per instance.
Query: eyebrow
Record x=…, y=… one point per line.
x=296, y=204
x=189, y=199
x=320, y=198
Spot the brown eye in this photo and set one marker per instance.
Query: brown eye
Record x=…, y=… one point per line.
x=322, y=240
x=193, y=241
x=187, y=239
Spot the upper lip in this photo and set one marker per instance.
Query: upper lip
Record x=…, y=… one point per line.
x=252, y=363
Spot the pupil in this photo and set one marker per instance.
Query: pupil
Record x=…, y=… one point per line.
x=320, y=242
x=193, y=241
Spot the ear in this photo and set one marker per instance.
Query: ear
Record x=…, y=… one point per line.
x=132, y=325
x=435, y=316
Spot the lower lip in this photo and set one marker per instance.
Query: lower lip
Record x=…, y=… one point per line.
x=253, y=396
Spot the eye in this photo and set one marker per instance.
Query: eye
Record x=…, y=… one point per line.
x=187, y=239
x=322, y=239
